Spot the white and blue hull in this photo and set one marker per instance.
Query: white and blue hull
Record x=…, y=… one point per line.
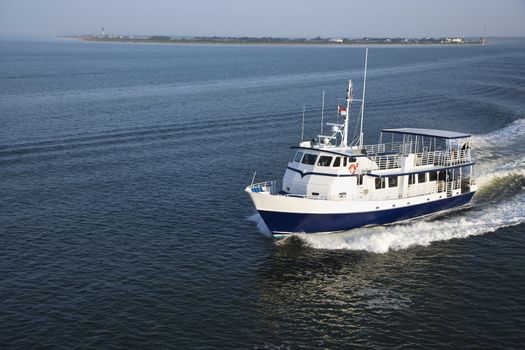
x=285, y=223
x=329, y=216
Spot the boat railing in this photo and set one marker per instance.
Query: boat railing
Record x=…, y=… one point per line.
x=390, y=147
x=378, y=195
x=271, y=187
x=274, y=188
x=384, y=162
x=395, y=193
x=443, y=158
x=412, y=191
x=421, y=189
x=375, y=149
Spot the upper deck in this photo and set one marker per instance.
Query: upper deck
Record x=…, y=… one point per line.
x=443, y=134
x=403, y=151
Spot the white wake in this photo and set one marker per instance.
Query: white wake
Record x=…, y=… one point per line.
x=381, y=239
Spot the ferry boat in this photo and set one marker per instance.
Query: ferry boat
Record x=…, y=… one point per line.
x=335, y=184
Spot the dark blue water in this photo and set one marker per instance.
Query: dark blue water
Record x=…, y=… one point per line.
x=123, y=221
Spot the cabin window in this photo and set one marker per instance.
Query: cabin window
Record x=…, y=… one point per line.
x=298, y=157
x=345, y=161
x=315, y=193
x=359, y=180
x=342, y=194
x=380, y=183
x=411, y=179
x=337, y=162
x=324, y=161
x=352, y=159
x=421, y=178
x=392, y=181
x=309, y=159
x=432, y=176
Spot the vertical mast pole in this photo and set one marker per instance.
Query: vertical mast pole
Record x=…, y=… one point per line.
x=322, y=115
x=349, y=92
x=363, y=102
x=302, y=126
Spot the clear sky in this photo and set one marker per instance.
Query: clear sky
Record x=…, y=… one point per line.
x=287, y=18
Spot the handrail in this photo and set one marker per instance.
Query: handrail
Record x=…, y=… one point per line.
x=271, y=187
x=443, y=158
x=389, y=147
x=386, y=162
x=416, y=190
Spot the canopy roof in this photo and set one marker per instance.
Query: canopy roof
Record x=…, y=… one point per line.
x=445, y=134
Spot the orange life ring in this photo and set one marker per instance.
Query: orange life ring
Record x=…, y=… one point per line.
x=352, y=168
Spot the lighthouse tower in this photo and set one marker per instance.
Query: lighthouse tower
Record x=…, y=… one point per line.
x=103, y=32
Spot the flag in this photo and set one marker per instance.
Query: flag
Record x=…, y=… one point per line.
x=341, y=110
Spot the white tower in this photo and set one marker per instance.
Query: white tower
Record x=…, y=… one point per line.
x=103, y=32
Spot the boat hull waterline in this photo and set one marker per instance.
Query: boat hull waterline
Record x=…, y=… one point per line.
x=285, y=223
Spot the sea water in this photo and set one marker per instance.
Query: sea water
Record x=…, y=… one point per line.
x=123, y=221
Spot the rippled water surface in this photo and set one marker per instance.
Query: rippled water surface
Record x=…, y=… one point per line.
x=123, y=221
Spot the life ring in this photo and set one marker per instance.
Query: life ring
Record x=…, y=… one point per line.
x=352, y=168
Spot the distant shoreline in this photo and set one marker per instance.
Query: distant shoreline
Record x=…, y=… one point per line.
x=278, y=41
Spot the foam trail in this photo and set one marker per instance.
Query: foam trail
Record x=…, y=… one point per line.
x=381, y=239
x=500, y=153
x=499, y=171
x=512, y=133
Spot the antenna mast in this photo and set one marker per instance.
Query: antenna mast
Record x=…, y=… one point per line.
x=349, y=98
x=363, y=102
x=302, y=127
x=322, y=115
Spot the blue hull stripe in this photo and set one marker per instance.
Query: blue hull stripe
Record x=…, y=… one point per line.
x=314, y=173
x=279, y=222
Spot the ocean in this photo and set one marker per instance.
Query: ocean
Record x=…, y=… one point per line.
x=124, y=223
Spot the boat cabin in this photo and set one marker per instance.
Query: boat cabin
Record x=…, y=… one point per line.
x=406, y=162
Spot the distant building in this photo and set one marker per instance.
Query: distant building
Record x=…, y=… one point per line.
x=336, y=40
x=455, y=40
